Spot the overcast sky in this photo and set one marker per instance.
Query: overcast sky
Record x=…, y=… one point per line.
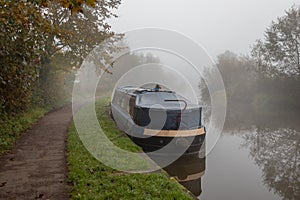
x=218, y=25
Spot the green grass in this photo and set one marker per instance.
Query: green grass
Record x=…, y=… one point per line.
x=11, y=128
x=91, y=179
x=107, y=124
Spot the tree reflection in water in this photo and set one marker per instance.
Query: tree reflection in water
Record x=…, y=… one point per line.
x=276, y=152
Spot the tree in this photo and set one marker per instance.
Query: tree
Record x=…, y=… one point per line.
x=237, y=75
x=33, y=32
x=279, y=54
x=22, y=31
x=80, y=33
x=74, y=6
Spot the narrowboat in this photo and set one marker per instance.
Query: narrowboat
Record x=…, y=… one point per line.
x=155, y=118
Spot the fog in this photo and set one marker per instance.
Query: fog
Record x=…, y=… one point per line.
x=262, y=116
x=217, y=25
x=262, y=106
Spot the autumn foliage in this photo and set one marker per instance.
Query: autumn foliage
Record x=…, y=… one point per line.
x=41, y=43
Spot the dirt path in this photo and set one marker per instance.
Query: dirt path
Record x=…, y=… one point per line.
x=37, y=167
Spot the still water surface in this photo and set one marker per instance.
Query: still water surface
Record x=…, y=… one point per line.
x=246, y=163
x=232, y=174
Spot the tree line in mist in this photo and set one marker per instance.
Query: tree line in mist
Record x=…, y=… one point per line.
x=43, y=43
x=268, y=80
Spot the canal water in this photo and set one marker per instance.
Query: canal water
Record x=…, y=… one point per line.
x=253, y=159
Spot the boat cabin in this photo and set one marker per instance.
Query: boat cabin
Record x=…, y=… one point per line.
x=142, y=105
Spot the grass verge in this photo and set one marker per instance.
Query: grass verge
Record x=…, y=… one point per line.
x=91, y=179
x=11, y=128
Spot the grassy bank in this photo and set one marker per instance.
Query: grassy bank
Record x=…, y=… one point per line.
x=91, y=179
x=12, y=127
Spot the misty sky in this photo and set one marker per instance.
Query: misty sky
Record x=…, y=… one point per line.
x=218, y=25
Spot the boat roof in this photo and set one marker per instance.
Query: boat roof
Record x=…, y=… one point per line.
x=134, y=91
x=164, y=99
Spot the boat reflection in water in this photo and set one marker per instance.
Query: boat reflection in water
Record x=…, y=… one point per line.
x=187, y=170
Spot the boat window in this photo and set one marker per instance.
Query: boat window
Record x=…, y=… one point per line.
x=124, y=102
x=117, y=98
x=131, y=105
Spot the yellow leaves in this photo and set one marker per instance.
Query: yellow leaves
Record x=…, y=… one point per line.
x=76, y=5
x=65, y=4
x=91, y=3
x=72, y=5
x=29, y=33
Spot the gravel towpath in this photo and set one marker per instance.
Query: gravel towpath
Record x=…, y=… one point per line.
x=37, y=166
